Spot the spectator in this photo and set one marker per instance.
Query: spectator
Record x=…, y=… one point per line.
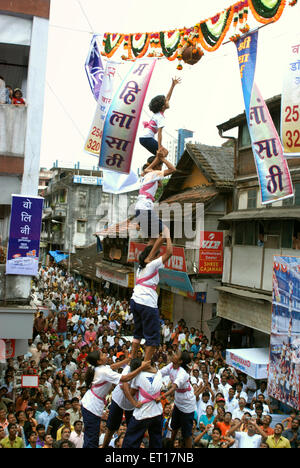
x=12, y=441
x=17, y=99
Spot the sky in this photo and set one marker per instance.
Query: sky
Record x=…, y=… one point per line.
x=210, y=92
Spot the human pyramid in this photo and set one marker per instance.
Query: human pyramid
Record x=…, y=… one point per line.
x=138, y=388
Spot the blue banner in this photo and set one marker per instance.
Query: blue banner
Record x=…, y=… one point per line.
x=272, y=169
x=94, y=68
x=24, y=235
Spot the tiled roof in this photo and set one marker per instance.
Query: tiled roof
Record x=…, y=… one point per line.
x=217, y=162
x=201, y=194
x=118, y=229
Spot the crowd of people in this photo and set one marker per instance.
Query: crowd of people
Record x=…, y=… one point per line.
x=94, y=391
x=8, y=95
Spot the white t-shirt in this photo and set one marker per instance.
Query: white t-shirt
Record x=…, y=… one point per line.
x=142, y=294
x=152, y=384
x=102, y=374
x=151, y=128
x=238, y=413
x=201, y=408
x=144, y=203
x=118, y=394
x=185, y=402
x=246, y=441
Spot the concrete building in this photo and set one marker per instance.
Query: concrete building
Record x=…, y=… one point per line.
x=23, y=51
x=258, y=232
x=72, y=209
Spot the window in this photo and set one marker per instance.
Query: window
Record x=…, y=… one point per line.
x=297, y=194
x=245, y=140
x=252, y=196
x=81, y=226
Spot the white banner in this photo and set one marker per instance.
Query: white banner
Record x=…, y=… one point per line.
x=290, y=103
x=93, y=141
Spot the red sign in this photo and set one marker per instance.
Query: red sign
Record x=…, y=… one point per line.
x=211, y=253
x=176, y=262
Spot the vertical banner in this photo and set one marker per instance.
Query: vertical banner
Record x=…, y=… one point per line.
x=290, y=104
x=93, y=141
x=284, y=367
x=272, y=169
x=24, y=235
x=94, y=68
x=123, y=117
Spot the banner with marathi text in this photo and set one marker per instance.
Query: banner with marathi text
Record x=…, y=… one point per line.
x=123, y=117
x=93, y=141
x=290, y=103
x=284, y=366
x=272, y=168
x=24, y=235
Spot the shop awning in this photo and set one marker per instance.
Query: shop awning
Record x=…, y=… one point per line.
x=116, y=274
x=244, y=293
x=252, y=361
x=263, y=213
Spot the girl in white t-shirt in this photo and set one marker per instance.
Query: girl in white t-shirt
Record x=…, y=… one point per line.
x=99, y=380
x=149, y=222
x=185, y=401
x=154, y=126
x=143, y=304
x=148, y=414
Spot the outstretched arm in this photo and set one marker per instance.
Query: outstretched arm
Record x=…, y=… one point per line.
x=175, y=81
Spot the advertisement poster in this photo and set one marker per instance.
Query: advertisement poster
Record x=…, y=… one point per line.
x=211, y=253
x=284, y=369
x=24, y=235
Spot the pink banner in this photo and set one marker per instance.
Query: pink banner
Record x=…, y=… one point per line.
x=123, y=117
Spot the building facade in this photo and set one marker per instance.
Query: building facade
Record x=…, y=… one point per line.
x=257, y=232
x=23, y=51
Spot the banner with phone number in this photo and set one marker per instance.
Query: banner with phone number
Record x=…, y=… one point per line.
x=290, y=104
x=93, y=141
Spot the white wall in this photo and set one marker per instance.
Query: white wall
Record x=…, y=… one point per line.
x=15, y=30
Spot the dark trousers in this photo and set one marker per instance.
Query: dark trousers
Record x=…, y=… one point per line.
x=136, y=431
x=150, y=144
x=91, y=429
x=116, y=415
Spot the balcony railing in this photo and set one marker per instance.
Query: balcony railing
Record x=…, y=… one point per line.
x=12, y=129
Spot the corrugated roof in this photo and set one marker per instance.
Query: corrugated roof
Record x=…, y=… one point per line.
x=264, y=213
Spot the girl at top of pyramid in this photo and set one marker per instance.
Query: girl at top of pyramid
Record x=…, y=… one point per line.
x=158, y=105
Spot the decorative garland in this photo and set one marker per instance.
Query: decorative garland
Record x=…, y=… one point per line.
x=264, y=11
x=209, y=34
x=213, y=31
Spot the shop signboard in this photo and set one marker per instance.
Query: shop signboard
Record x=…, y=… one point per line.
x=176, y=262
x=211, y=253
